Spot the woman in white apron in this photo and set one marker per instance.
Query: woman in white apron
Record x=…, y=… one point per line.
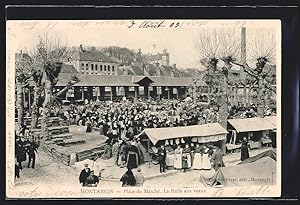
x=205, y=160
x=197, y=163
x=178, y=158
x=170, y=159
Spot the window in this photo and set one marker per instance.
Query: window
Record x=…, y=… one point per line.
x=96, y=67
x=92, y=73
x=100, y=67
x=113, y=73
x=87, y=65
x=92, y=66
x=87, y=72
x=82, y=72
x=87, y=68
x=108, y=68
x=104, y=67
x=113, y=68
x=82, y=64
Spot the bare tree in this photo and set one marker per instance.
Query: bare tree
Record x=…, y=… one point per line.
x=47, y=58
x=218, y=47
x=262, y=53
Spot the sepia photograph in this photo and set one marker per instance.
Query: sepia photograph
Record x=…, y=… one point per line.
x=143, y=108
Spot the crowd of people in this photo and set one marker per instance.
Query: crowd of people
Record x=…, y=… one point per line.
x=127, y=118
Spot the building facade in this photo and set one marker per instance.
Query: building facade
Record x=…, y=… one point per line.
x=93, y=62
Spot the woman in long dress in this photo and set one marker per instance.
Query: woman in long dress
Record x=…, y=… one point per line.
x=178, y=158
x=197, y=164
x=187, y=152
x=205, y=160
x=170, y=159
x=244, y=150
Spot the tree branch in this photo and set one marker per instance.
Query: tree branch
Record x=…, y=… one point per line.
x=246, y=70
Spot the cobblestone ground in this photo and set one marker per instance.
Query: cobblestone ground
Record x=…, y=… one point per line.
x=49, y=171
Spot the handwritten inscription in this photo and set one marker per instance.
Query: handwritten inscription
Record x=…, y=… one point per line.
x=154, y=24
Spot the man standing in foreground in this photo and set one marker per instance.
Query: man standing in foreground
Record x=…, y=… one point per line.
x=162, y=153
x=217, y=159
x=85, y=173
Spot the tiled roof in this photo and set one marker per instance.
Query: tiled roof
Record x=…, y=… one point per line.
x=96, y=80
x=138, y=70
x=171, y=81
x=94, y=56
x=66, y=68
x=121, y=80
x=151, y=69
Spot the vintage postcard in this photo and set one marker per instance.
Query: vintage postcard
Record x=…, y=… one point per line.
x=143, y=108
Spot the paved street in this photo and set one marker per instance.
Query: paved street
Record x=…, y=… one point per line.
x=49, y=171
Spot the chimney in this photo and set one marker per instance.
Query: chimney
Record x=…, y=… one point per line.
x=157, y=69
x=243, y=45
x=81, y=48
x=21, y=51
x=174, y=66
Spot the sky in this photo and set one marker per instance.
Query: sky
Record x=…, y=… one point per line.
x=179, y=39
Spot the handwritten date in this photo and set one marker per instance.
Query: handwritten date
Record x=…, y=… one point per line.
x=154, y=24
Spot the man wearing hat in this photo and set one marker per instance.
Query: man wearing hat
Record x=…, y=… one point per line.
x=84, y=174
x=162, y=154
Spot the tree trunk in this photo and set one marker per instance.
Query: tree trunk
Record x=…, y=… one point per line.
x=20, y=103
x=46, y=111
x=235, y=95
x=223, y=109
x=245, y=96
x=261, y=97
x=35, y=108
x=267, y=98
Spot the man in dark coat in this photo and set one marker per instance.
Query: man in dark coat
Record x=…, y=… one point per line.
x=20, y=151
x=84, y=174
x=162, y=154
x=217, y=159
x=31, y=150
x=92, y=180
x=244, y=150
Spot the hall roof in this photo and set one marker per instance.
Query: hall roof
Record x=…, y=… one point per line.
x=122, y=80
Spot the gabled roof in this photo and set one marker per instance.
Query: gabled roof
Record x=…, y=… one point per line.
x=251, y=124
x=205, y=130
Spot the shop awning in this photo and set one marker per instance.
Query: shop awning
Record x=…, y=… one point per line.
x=251, y=124
x=272, y=119
x=212, y=131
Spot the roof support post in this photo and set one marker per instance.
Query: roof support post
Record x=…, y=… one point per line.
x=82, y=93
x=146, y=91
x=136, y=92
